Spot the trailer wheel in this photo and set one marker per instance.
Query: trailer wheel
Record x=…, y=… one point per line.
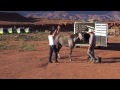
x=98, y=47
x=77, y=46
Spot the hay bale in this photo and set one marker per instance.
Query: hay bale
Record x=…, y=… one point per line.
x=47, y=31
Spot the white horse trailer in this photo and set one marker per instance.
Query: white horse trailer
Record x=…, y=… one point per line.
x=100, y=30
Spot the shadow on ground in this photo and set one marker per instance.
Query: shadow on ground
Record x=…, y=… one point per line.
x=111, y=60
x=111, y=46
x=78, y=59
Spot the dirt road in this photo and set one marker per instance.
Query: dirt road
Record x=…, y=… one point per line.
x=34, y=64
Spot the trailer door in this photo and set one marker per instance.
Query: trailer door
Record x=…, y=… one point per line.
x=101, y=32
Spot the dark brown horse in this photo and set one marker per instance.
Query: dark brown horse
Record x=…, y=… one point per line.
x=68, y=41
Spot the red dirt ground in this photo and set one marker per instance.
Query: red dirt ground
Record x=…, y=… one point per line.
x=34, y=64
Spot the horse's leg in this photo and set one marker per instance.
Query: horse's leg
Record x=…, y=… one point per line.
x=59, y=47
x=70, y=54
x=58, y=55
x=71, y=45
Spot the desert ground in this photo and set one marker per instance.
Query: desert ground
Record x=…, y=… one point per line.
x=21, y=58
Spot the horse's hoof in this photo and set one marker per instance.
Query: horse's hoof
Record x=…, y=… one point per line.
x=58, y=56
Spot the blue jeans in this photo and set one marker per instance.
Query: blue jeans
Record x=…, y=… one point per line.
x=91, y=52
x=52, y=49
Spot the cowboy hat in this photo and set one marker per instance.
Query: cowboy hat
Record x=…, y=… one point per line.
x=90, y=30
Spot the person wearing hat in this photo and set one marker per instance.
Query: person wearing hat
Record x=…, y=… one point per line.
x=51, y=38
x=92, y=44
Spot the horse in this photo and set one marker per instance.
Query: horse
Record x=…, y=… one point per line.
x=68, y=41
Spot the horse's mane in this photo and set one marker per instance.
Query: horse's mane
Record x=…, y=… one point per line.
x=68, y=36
x=74, y=35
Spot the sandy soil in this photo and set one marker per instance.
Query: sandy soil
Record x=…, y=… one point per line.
x=16, y=64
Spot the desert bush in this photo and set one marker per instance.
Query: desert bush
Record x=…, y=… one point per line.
x=26, y=47
x=2, y=46
x=40, y=36
x=6, y=47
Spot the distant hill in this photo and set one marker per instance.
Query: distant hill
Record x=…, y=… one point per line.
x=74, y=15
x=12, y=16
x=69, y=12
x=55, y=17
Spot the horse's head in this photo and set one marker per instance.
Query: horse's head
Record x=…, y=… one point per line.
x=81, y=36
